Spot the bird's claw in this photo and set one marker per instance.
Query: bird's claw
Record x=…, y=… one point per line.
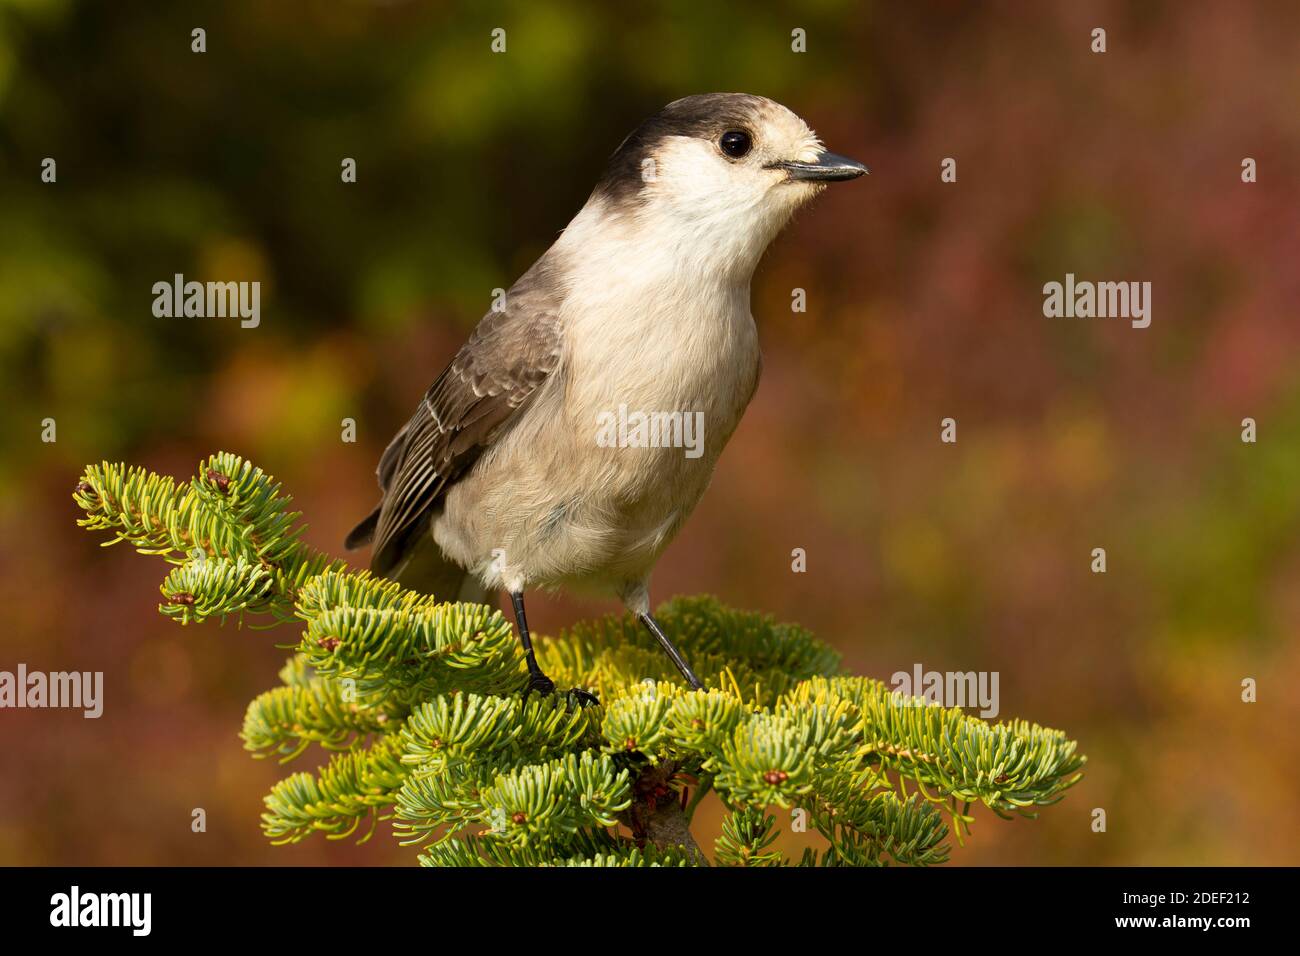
x=540, y=683
x=546, y=687
x=585, y=698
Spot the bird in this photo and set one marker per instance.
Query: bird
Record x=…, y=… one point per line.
x=508, y=475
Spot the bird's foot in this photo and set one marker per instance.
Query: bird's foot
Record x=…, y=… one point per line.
x=585, y=698
x=546, y=687
x=540, y=683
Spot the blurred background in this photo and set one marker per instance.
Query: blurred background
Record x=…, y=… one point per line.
x=924, y=301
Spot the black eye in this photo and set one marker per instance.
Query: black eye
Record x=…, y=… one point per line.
x=735, y=143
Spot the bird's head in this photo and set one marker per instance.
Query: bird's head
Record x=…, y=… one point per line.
x=718, y=174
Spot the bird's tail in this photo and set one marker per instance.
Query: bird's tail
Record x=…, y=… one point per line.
x=424, y=568
x=421, y=566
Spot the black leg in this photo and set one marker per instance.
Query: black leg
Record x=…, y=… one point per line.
x=537, y=681
x=653, y=627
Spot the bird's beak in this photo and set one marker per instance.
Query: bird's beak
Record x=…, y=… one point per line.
x=828, y=168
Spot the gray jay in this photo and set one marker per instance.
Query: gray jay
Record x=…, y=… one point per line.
x=550, y=452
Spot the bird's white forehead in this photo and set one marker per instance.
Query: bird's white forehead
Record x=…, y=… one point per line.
x=777, y=120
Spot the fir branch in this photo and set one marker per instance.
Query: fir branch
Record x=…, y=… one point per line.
x=422, y=698
x=197, y=590
x=589, y=848
x=746, y=834
x=864, y=827
x=469, y=726
x=762, y=658
x=530, y=804
x=296, y=672
x=703, y=722
x=352, y=787
x=765, y=760
x=285, y=721
x=231, y=511
x=1007, y=766
x=545, y=802
x=650, y=855
x=638, y=723
x=448, y=801
x=407, y=645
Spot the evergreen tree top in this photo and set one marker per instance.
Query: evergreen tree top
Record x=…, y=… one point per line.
x=419, y=703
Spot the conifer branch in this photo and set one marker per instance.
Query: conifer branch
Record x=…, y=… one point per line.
x=349, y=789
x=419, y=702
x=285, y=721
x=746, y=834
x=230, y=512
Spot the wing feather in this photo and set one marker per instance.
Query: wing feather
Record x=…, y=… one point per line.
x=495, y=373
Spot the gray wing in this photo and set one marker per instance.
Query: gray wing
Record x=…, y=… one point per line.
x=507, y=357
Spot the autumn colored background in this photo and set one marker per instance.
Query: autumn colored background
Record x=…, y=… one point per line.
x=924, y=301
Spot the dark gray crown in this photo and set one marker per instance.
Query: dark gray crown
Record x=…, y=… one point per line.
x=705, y=116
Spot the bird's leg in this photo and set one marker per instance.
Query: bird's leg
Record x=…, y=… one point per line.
x=653, y=627
x=538, y=681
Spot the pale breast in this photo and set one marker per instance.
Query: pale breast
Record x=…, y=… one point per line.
x=600, y=473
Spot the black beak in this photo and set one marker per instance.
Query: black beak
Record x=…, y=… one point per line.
x=829, y=168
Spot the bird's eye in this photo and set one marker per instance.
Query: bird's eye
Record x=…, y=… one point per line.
x=735, y=143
